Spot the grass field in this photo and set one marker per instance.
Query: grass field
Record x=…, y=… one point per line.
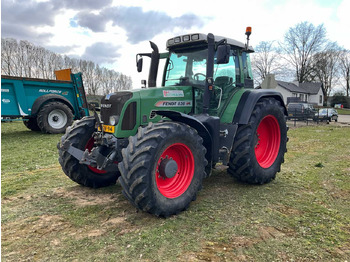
x=343, y=111
x=303, y=215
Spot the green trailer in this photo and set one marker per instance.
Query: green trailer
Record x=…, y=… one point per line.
x=44, y=105
x=161, y=142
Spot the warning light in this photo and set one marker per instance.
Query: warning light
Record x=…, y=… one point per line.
x=248, y=31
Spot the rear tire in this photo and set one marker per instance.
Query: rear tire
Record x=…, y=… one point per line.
x=80, y=135
x=259, y=147
x=163, y=168
x=54, y=118
x=32, y=124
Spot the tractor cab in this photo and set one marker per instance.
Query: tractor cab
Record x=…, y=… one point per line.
x=201, y=61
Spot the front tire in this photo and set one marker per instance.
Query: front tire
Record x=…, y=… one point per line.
x=259, y=146
x=80, y=135
x=163, y=168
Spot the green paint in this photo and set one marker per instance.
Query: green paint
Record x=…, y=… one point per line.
x=161, y=98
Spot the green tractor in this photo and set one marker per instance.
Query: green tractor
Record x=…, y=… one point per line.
x=161, y=142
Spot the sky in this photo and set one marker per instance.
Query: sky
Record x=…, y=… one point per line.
x=112, y=32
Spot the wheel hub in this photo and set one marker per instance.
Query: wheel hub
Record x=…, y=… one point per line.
x=168, y=168
x=175, y=170
x=57, y=118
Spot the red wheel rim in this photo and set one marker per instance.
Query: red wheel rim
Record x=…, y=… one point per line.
x=268, y=142
x=89, y=146
x=177, y=185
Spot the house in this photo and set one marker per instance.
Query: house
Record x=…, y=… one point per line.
x=294, y=91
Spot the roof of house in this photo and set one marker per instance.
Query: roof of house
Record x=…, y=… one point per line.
x=306, y=88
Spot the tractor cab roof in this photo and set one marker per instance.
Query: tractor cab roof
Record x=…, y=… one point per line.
x=197, y=39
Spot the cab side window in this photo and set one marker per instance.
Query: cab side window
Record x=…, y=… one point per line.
x=225, y=74
x=247, y=68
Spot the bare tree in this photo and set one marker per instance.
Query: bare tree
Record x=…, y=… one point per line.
x=325, y=67
x=123, y=83
x=300, y=43
x=345, y=69
x=8, y=53
x=27, y=60
x=265, y=60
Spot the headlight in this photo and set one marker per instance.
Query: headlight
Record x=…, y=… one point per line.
x=113, y=120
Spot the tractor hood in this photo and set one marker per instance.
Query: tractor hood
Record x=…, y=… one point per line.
x=130, y=109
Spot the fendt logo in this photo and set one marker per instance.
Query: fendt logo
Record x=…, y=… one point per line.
x=106, y=105
x=173, y=103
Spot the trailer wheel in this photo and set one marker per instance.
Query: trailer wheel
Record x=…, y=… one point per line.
x=32, y=124
x=54, y=118
x=259, y=147
x=80, y=135
x=163, y=168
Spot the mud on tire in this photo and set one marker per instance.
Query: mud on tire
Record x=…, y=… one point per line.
x=154, y=149
x=80, y=135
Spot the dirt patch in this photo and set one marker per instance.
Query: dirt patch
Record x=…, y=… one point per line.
x=83, y=196
x=287, y=210
x=213, y=251
x=343, y=251
x=7, y=200
x=335, y=192
x=27, y=233
x=117, y=224
x=270, y=232
x=55, y=230
x=39, y=226
x=234, y=250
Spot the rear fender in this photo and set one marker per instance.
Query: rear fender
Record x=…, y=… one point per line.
x=248, y=101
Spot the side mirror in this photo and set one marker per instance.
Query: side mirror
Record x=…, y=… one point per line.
x=139, y=65
x=223, y=54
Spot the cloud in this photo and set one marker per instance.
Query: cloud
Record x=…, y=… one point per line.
x=100, y=52
x=28, y=13
x=138, y=25
x=82, y=4
x=61, y=49
x=94, y=22
x=21, y=19
x=24, y=33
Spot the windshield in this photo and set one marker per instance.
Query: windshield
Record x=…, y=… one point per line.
x=189, y=68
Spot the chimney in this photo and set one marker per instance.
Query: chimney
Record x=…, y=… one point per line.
x=269, y=82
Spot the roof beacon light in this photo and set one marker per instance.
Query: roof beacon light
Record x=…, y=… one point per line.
x=248, y=32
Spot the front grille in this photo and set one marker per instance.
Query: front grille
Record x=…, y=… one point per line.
x=112, y=105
